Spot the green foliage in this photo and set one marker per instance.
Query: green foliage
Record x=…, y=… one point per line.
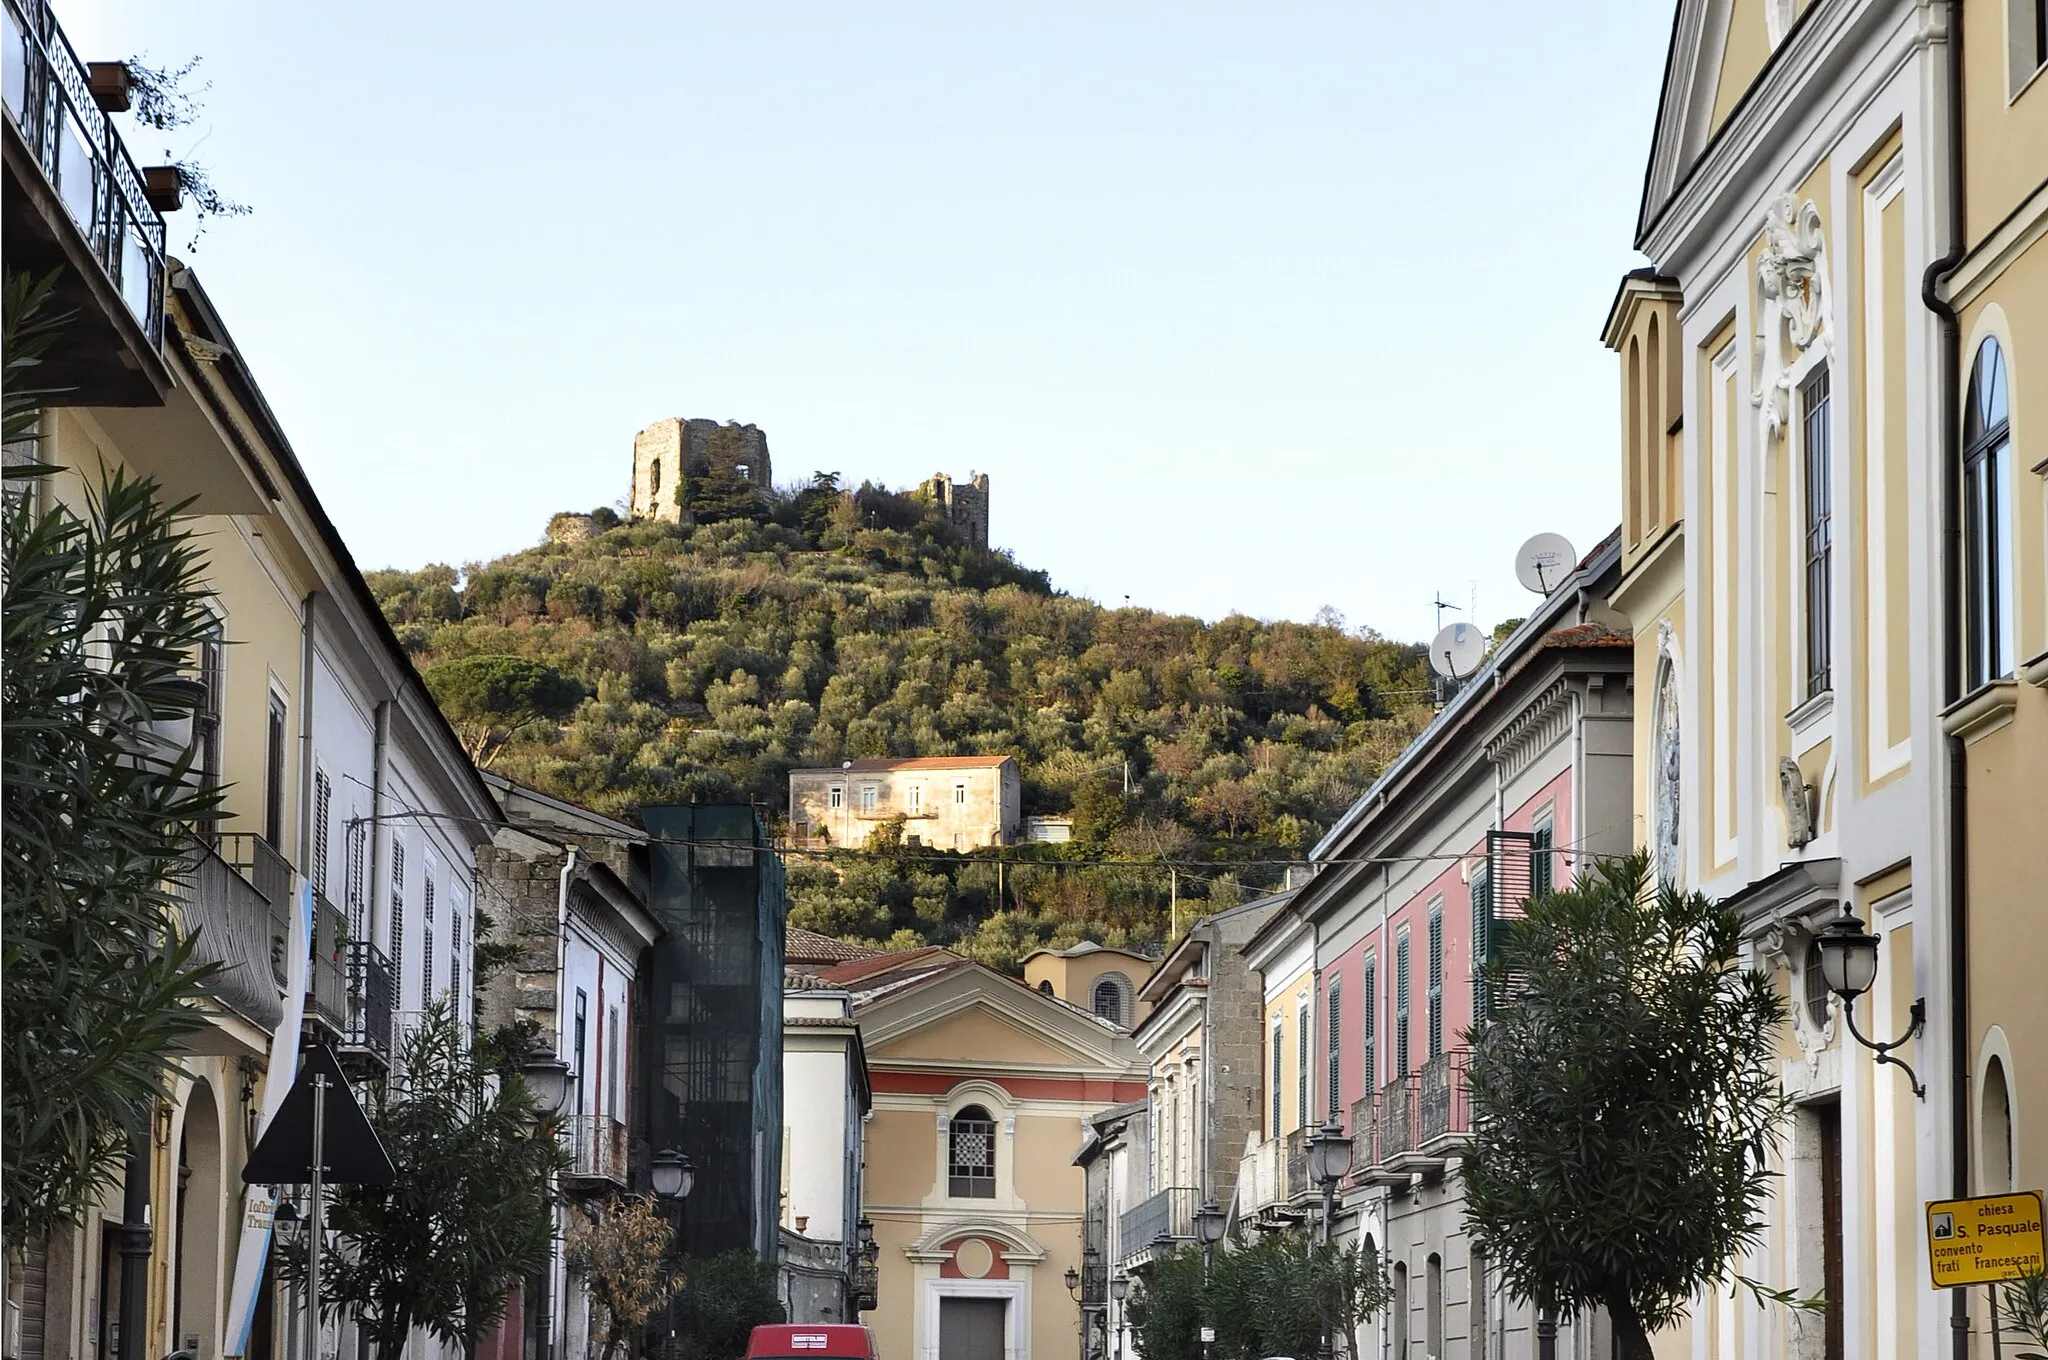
x=469, y=1213
x=102, y=612
x=721, y=1303
x=715, y=658
x=1276, y=1295
x=31, y=330
x=165, y=100
x=1625, y=1101
x=490, y=698
x=2024, y=1305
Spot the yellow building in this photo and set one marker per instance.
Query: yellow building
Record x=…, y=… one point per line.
x=1094, y=977
x=947, y=802
x=980, y=1085
x=1833, y=563
x=1272, y=1180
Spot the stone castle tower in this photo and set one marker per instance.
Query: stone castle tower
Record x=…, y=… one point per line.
x=665, y=449
x=964, y=505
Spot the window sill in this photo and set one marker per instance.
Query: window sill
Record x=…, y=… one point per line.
x=1809, y=721
x=2035, y=671
x=1978, y=714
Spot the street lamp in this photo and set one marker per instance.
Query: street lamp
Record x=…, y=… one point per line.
x=1210, y=1220
x=547, y=1076
x=864, y=1234
x=1073, y=1281
x=289, y=1224
x=1848, y=964
x=675, y=1176
x=1119, y=1289
x=1329, y=1161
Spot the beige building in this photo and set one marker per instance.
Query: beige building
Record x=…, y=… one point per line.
x=1833, y=563
x=981, y=1087
x=946, y=802
x=1094, y=977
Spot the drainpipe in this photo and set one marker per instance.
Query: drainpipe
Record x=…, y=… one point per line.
x=1950, y=498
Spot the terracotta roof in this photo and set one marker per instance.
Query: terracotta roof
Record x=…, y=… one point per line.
x=1589, y=635
x=879, y=766
x=875, y=965
x=800, y=946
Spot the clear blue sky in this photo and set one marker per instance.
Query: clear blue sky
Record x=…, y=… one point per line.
x=1256, y=308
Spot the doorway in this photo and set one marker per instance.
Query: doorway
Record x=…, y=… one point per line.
x=973, y=1329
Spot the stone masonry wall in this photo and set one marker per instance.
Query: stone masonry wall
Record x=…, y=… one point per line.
x=664, y=449
x=964, y=505
x=522, y=892
x=1237, y=1044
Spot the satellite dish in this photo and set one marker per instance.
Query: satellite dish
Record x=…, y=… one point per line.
x=1457, y=651
x=1544, y=562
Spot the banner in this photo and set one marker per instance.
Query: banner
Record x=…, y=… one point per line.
x=259, y=1202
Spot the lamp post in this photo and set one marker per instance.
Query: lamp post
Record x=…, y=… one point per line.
x=1329, y=1161
x=1210, y=1220
x=1848, y=964
x=673, y=1176
x=547, y=1077
x=1119, y=1290
x=865, y=1253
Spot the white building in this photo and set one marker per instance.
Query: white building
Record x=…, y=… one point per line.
x=825, y=1104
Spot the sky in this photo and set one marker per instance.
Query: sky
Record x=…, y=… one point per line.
x=1252, y=308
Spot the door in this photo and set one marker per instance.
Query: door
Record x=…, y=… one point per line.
x=972, y=1329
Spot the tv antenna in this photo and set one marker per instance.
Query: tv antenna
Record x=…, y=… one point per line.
x=1441, y=605
x=1544, y=562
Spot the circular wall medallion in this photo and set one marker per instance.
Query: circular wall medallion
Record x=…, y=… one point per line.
x=974, y=1258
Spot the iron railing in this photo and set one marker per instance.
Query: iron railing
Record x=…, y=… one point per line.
x=371, y=998
x=1168, y=1216
x=49, y=97
x=1274, y=1173
x=597, y=1146
x=328, y=994
x=1365, y=1132
x=1442, y=1109
x=1396, y=1120
x=257, y=860
x=237, y=929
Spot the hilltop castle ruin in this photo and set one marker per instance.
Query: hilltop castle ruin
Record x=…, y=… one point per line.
x=964, y=505
x=668, y=449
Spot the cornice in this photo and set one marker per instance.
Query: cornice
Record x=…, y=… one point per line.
x=1539, y=726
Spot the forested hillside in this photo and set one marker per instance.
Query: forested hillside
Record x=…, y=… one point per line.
x=648, y=663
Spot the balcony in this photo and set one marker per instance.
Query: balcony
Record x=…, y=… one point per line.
x=366, y=1031
x=1417, y=1122
x=1158, y=1223
x=78, y=208
x=1443, y=1110
x=239, y=929
x=1271, y=1178
x=327, y=1001
x=597, y=1153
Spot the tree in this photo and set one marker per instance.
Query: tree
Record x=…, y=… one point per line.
x=103, y=610
x=725, y=1298
x=1277, y=1295
x=621, y=1258
x=163, y=101
x=468, y=1216
x=1625, y=1100
x=491, y=699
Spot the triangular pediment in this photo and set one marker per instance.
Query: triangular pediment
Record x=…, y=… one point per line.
x=1718, y=49
x=975, y=1034
x=972, y=1015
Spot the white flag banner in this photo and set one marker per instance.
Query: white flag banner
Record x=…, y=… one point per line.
x=259, y=1202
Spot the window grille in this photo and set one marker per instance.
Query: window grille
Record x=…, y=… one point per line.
x=1987, y=511
x=1335, y=1025
x=1301, y=1065
x=397, y=914
x=1401, y=1003
x=1109, y=1001
x=1436, y=978
x=427, y=939
x=971, y=1155
x=1820, y=532
x=1368, y=1020
x=323, y=800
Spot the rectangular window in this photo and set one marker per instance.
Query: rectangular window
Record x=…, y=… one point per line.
x=578, y=1045
x=615, y=1069
x=323, y=804
x=1542, y=857
x=206, y=717
x=273, y=776
x=1301, y=1065
x=1820, y=532
x=457, y=928
x=1279, y=1076
x=959, y=795
x=1401, y=1003
x=916, y=798
x=397, y=914
x=1482, y=933
x=1436, y=978
x=427, y=935
x=1987, y=507
x=836, y=797
x=868, y=794
x=1369, y=1022
x=358, y=906
x=1335, y=1025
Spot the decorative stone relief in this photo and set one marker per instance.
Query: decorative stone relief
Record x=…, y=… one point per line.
x=1666, y=764
x=1793, y=310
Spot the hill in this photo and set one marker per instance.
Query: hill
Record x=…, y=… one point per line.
x=627, y=663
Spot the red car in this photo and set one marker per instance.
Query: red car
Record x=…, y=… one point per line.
x=805, y=1340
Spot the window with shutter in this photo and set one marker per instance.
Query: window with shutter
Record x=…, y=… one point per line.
x=1401, y=1004
x=1301, y=1065
x=1336, y=1032
x=1436, y=978
x=358, y=909
x=1542, y=871
x=397, y=914
x=1279, y=1076
x=1482, y=935
x=323, y=802
x=1368, y=1020
x=427, y=937
x=457, y=927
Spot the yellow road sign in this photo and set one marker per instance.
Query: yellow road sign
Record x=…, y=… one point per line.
x=1985, y=1239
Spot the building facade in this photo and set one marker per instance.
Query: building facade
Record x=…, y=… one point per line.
x=964, y=505
x=1095, y=977
x=945, y=802
x=826, y=1103
x=1833, y=563
x=980, y=1086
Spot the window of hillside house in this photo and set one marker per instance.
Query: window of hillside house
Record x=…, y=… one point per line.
x=1542, y=856
x=427, y=934
x=1334, y=1026
x=1820, y=530
x=273, y=776
x=959, y=795
x=1108, y=1000
x=1279, y=1077
x=1436, y=978
x=1369, y=1021
x=971, y=1155
x=836, y=796
x=868, y=794
x=916, y=799
x=1301, y=1065
x=1987, y=511
x=1045, y=986
x=1401, y=1003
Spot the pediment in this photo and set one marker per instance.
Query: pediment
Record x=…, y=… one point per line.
x=975, y=1034
x=1718, y=49
x=974, y=1015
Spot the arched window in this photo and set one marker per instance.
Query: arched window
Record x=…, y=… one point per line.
x=1994, y=1133
x=971, y=1155
x=1987, y=514
x=1110, y=999
x=1045, y=986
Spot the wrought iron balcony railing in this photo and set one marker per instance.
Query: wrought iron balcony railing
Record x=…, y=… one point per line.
x=371, y=999
x=1365, y=1132
x=1168, y=1216
x=328, y=993
x=1443, y=1111
x=237, y=928
x=597, y=1147
x=49, y=97
x=1396, y=1120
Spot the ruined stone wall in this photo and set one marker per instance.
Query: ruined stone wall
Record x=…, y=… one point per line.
x=964, y=505
x=664, y=449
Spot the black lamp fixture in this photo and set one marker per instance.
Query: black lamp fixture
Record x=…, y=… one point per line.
x=1209, y=1223
x=1119, y=1286
x=1073, y=1282
x=674, y=1175
x=288, y=1223
x=1329, y=1153
x=864, y=1233
x=1848, y=964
